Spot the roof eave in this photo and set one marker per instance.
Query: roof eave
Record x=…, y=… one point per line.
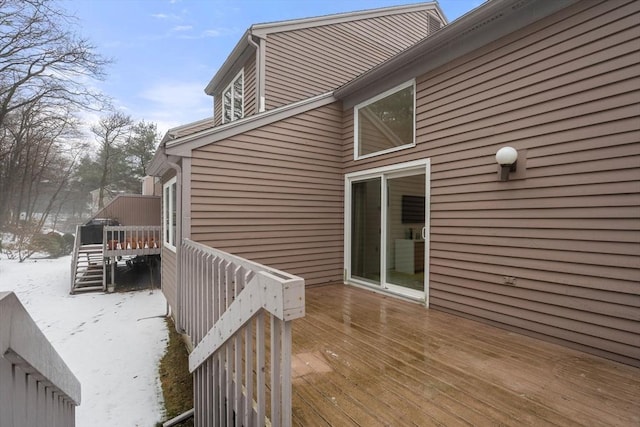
x=493, y=20
x=182, y=146
x=229, y=63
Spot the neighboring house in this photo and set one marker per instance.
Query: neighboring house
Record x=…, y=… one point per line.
x=383, y=174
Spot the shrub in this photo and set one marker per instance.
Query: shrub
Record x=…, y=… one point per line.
x=50, y=243
x=68, y=241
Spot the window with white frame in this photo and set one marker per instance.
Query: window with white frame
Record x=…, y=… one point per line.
x=169, y=210
x=233, y=99
x=386, y=122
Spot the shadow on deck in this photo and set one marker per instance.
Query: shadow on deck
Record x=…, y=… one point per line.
x=360, y=358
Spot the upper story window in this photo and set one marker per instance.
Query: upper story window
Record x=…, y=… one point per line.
x=233, y=99
x=169, y=210
x=386, y=122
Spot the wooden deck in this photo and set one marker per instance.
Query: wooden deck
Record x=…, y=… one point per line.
x=365, y=359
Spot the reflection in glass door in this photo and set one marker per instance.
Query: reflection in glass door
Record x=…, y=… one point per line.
x=386, y=219
x=365, y=230
x=405, y=233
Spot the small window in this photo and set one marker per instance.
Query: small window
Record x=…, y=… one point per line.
x=169, y=210
x=386, y=122
x=233, y=99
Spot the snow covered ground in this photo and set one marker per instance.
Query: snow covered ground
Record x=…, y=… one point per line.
x=112, y=342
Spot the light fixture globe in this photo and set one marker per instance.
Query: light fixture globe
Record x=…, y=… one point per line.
x=506, y=156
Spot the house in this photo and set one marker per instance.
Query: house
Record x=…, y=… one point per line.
x=275, y=71
x=386, y=177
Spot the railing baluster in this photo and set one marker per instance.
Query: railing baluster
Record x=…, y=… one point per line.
x=248, y=372
x=260, y=367
x=276, y=395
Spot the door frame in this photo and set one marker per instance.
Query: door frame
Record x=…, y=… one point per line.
x=384, y=173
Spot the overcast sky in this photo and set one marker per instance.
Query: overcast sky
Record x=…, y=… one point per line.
x=166, y=51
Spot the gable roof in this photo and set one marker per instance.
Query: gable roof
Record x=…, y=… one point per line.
x=239, y=52
x=179, y=141
x=184, y=142
x=486, y=23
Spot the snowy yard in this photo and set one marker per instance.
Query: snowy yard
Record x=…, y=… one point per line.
x=112, y=342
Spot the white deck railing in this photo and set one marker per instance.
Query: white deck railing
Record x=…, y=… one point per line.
x=74, y=257
x=37, y=389
x=235, y=311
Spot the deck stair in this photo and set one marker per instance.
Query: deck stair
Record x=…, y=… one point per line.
x=89, y=269
x=94, y=257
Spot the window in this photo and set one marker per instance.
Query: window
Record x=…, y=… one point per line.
x=386, y=122
x=233, y=99
x=169, y=214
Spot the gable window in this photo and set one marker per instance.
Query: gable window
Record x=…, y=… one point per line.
x=386, y=122
x=169, y=216
x=233, y=99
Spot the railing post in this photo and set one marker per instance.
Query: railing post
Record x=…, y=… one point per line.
x=74, y=257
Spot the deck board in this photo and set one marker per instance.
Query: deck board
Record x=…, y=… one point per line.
x=362, y=358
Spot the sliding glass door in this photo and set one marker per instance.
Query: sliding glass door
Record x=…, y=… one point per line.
x=387, y=229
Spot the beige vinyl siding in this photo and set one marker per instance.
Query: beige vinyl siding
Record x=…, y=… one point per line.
x=275, y=195
x=133, y=209
x=566, y=94
x=250, y=86
x=307, y=62
x=250, y=106
x=168, y=264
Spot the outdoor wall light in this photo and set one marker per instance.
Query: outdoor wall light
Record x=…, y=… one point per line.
x=506, y=158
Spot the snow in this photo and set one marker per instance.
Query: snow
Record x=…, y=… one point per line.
x=113, y=343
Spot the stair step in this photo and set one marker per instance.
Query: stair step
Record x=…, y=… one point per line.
x=82, y=283
x=88, y=276
x=87, y=289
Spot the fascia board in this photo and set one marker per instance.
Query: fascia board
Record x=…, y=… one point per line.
x=229, y=63
x=158, y=161
x=183, y=146
x=178, y=130
x=481, y=26
x=265, y=29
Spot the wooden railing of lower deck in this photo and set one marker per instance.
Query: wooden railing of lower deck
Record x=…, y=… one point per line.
x=235, y=311
x=74, y=256
x=37, y=389
x=131, y=240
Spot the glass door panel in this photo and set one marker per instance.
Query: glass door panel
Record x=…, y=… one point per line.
x=365, y=230
x=405, y=222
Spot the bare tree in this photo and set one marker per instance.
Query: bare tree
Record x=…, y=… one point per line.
x=41, y=58
x=45, y=71
x=111, y=132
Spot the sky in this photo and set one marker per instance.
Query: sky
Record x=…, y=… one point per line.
x=166, y=51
